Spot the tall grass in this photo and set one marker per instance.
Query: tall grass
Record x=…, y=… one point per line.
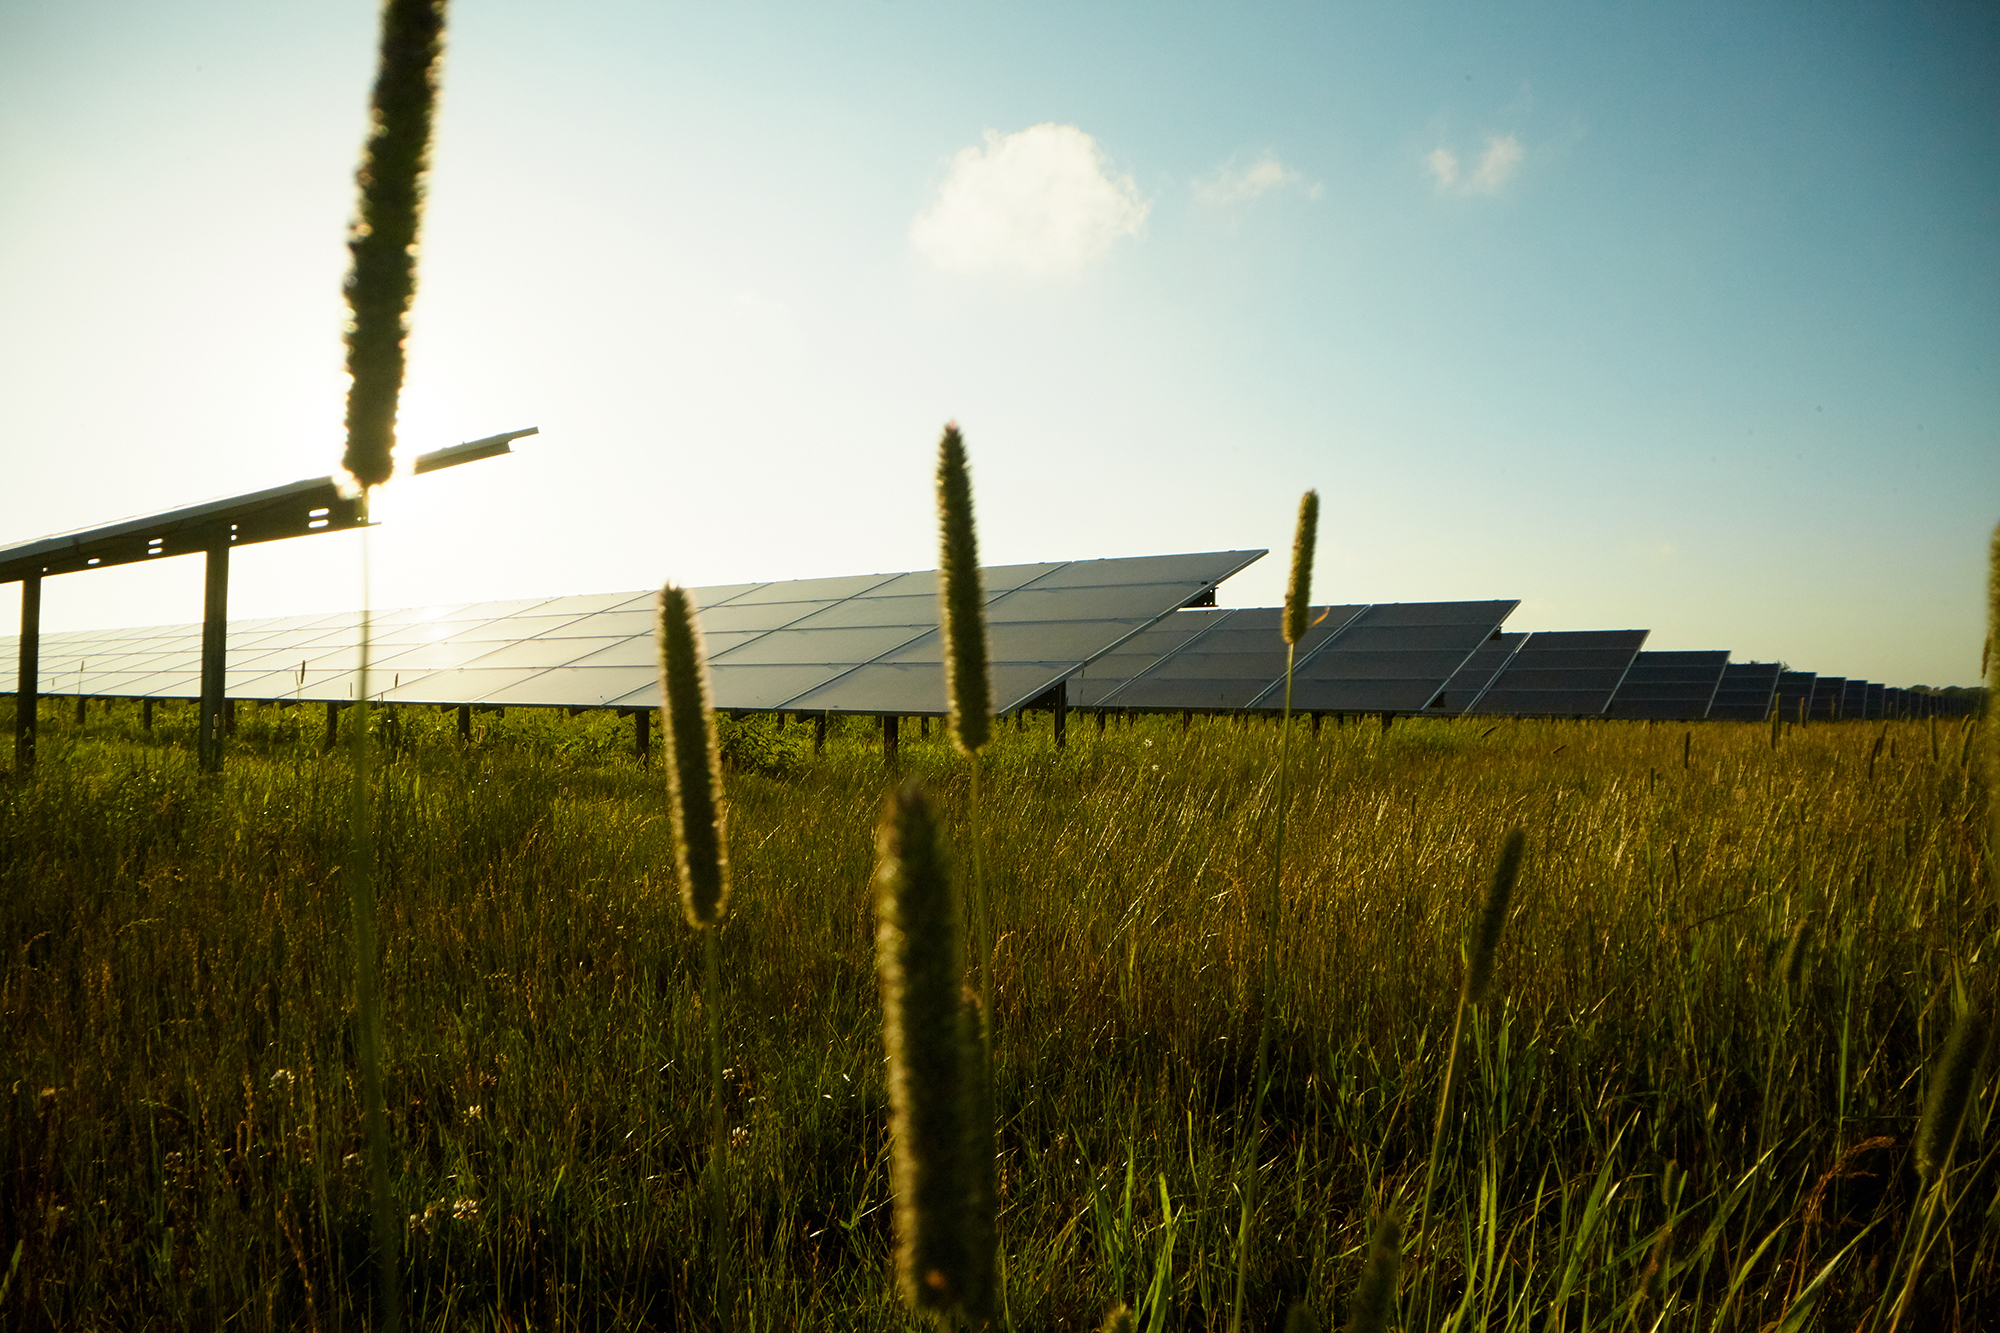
x=1662, y=1114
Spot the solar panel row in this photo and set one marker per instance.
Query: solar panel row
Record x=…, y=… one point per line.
x=1117, y=635
x=865, y=644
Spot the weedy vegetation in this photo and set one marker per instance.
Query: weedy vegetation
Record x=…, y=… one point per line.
x=1719, y=1007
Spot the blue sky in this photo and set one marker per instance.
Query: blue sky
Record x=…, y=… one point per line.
x=1681, y=317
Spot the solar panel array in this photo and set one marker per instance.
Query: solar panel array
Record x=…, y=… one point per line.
x=1562, y=673
x=864, y=644
x=1121, y=635
x=1669, y=686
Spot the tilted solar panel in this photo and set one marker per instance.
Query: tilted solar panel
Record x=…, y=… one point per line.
x=1669, y=686
x=1828, y=694
x=1470, y=680
x=1746, y=692
x=1387, y=657
x=1218, y=660
x=1795, y=692
x=1563, y=673
x=1395, y=657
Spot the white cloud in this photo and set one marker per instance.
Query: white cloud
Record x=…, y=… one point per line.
x=1497, y=166
x=1231, y=185
x=1444, y=166
x=1043, y=200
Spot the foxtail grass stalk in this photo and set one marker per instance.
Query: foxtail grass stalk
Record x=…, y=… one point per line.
x=969, y=703
x=1298, y=596
x=1990, y=669
x=1952, y=1086
x=382, y=242
x=359, y=874
x=918, y=954
x=383, y=238
x=968, y=689
x=1375, y=1295
x=701, y=863
x=1483, y=953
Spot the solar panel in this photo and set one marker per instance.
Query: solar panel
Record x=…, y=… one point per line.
x=1472, y=678
x=861, y=644
x=1562, y=673
x=1828, y=693
x=1669, y=686
x=1396, y=657
x=1795, y=692
x=1387, y=657
x=1205, y=660
x=1746, y=692
x=1854, y=700
x=1875, y=700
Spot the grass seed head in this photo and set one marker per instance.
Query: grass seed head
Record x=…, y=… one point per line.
x=1952, y=1083
x=1298, y=591
x=1375, y=1294
x=924, y=1032
x=694, y=762
x=961, y=599
x=383, y=238
x=1493, y=919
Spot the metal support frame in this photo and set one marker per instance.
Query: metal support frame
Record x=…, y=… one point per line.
x=297, y=510
x=214, y=651
x=1059, y=710
x=146, y=714
x=891, y=737
x=465, y=722
x=642, y=734
x=29, y=687
x=331, y=737
x=819, y=734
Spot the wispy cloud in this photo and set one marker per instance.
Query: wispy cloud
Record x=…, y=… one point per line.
x=1239, y=185
x=1042, y=200
x=1496, y=166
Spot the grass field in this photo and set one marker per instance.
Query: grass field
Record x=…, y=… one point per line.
x=1690, y=1103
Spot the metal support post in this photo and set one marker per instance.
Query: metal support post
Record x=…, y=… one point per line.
x=82, y=701
x=146, y=714
x=642, y=734
x=332, y=736
x=214, y=652
x=1061, y=714
x=28, y=690
x=465, y=722
x=1315, y=718
x=819, y=734
x=1100, y=721
x=890, y=727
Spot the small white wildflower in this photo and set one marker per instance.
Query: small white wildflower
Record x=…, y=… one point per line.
x=465, y=1210
x=283, y=1078
x=474, y=1112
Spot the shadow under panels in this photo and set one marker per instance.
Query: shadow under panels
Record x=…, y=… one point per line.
x=1562, y=673
x=1391, y=657
x=1746, y=692
x=1669, y=686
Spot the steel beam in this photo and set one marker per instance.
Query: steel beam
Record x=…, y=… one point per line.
x=29, y=689
x=214, y=651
